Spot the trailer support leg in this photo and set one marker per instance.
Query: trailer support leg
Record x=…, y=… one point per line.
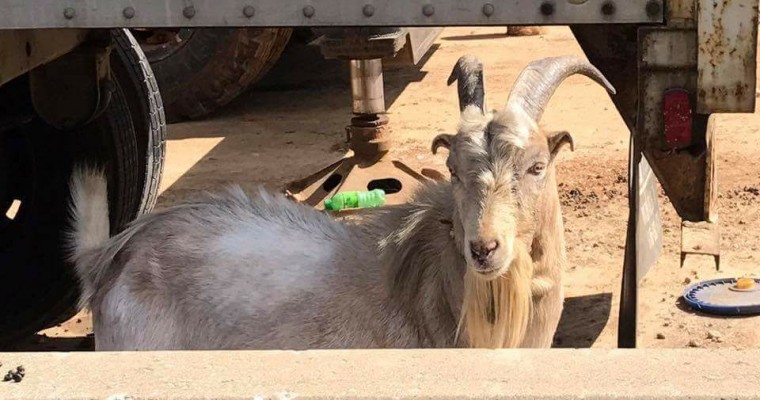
x=369, y=165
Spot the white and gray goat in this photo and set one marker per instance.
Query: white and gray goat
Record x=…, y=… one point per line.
x=472, y=262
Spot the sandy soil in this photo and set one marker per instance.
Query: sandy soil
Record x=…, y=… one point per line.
x=293, y=124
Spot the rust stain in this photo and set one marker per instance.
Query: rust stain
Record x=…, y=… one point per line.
x=740, y=89
x=727, y=60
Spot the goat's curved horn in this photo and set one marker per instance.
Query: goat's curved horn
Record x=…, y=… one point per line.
x=539, y=80
x=468, y=73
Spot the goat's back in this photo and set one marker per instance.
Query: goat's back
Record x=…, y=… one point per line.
x=229, y=271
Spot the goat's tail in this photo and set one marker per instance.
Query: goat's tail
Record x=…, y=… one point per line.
x=90, y=227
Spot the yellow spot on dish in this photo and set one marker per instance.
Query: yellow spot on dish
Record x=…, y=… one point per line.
x=745, y=283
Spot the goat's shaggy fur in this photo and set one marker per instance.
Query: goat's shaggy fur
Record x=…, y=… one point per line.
x=496, y=313
x=229, y=271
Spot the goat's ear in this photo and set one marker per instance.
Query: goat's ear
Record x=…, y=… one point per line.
x=558, y=139
x=442, y=140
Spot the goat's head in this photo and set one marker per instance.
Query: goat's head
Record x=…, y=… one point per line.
x=500, y=161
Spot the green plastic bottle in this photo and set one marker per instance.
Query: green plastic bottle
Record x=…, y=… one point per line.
x=355, y=199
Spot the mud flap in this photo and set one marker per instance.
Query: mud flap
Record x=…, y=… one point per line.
x=643, y=243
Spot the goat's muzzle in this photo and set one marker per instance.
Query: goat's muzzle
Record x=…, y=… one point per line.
x=485, y=257
x=482, y=250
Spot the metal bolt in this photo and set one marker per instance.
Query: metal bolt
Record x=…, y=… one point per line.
x=653, y=8
x=547, y=8
x=428, y=10
x=308, y=11
x=69, y=13
x=368, y=10
x=608, y=8
x=128, y=12
x=488, y=9
x=249, y=11
x=188, y=12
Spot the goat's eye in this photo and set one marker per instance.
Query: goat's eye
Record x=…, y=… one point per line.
x=537, y=168
x=453, y=174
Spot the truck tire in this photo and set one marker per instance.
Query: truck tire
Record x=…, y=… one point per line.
x=201, y=70
x=37, y=286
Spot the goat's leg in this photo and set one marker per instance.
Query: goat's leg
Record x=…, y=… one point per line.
x=547, y=309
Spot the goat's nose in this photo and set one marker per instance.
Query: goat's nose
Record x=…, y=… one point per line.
x=483, y=249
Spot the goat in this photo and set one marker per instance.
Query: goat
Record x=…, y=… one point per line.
x=475, y=261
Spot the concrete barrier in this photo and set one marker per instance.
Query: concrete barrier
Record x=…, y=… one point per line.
x=387, y=374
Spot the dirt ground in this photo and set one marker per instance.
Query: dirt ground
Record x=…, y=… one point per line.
x=293, y=124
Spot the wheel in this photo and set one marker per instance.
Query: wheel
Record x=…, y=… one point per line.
x=200, y=70
x=37, y=287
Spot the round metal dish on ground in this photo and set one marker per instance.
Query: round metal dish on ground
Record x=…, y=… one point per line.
x=717, y=297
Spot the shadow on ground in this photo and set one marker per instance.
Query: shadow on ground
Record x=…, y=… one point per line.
x=587, y=314
x=483, y=36
x=40, y=342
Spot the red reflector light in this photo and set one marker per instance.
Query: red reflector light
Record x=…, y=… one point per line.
x=676, y=110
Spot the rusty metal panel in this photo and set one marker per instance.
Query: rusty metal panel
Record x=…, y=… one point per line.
x=33, y=14
x=681, y=14
x=660, y=70
x=727, y=35
x=669, y=49
x=680, y=171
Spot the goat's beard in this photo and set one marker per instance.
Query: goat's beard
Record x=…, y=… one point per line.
x=496, y=312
